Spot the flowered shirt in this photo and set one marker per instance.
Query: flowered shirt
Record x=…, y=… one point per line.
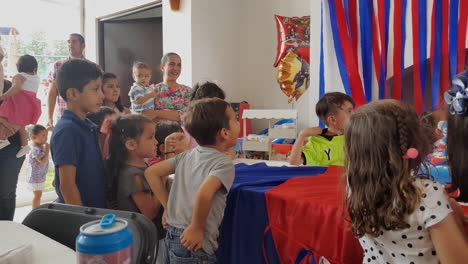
x=174, y=98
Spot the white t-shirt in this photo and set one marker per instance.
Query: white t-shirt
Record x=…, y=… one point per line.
x=31, y=83
x=414, y=244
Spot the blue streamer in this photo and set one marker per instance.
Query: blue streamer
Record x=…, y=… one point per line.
x=435, y=83
x=366, y=45
x=453, y=37
x=422, y=35
x=338, y=48
x=386, y=25
x=322, y=64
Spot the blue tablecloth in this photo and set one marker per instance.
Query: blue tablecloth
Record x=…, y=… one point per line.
x=246, y=217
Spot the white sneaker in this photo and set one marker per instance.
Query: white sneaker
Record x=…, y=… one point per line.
x=23, y=151
x=4, y=143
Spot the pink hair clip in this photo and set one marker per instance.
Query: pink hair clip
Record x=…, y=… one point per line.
x=411, y=153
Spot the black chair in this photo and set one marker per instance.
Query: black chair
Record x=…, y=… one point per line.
x=62, y=223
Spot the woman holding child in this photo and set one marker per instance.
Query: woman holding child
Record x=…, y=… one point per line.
x=170, y=95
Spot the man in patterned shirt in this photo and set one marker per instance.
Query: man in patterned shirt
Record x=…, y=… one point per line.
x=76, y=46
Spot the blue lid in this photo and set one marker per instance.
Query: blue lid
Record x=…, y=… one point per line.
x=110, y=234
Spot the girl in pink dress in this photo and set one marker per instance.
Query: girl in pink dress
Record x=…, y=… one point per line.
x=20, y=105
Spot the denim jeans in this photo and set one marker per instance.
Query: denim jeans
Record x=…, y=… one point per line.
x=10, y=167
x=177, y=254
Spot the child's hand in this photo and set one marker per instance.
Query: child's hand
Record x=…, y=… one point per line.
x=311, y=131
x=164, y=219
x=175, y=142
x=46, y=146
x=192, y=238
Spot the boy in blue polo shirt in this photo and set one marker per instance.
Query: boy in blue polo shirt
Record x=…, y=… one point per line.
x=79, y=171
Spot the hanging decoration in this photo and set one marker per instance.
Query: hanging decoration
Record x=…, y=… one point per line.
x=293, y=76
x=360, y=35
x=293, y=55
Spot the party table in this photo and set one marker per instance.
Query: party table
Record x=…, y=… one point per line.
x=21, y=244
x=306, y=216
x=246, y=217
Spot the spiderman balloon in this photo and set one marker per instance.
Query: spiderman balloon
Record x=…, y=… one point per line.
x=293, y=55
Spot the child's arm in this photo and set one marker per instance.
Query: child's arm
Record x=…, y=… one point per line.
x=447, y=231
x=193, y=235
x=172, y=115
x=145, y=201
x=296, y=152
x=154, y=175
x=51, y=101
x=18, y=81
x=68, y=188
x=44, y=158
x=142, y=99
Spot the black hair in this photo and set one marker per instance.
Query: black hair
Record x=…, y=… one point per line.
x=429, y=120
x=35, y=130
x=163, y=130
x=457, y=152
x=26, y=63
x=329, y=104
x=123, y=128
x=166, y=56
x=98, y=117
x=205, y=118
x=76, y=73
x=79, y=36
x=108, y=76
x=207, y=90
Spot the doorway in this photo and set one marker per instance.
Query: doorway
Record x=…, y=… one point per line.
x=129, y=36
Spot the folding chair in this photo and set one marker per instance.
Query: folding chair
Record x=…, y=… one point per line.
x=62, y=223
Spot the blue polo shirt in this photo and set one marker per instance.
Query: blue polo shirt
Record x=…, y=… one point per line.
x=74, y=142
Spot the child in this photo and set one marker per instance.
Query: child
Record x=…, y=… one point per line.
x=203, y=177
x=132, y=141
x=79, y=171
x=111, y=91
x=101, y=119
x=457, y=144
x=325, y=146
x=398, y=216
x=438, y=154
x=171, y=141
x=20, y=105
x=141, y=94
x=38, y=162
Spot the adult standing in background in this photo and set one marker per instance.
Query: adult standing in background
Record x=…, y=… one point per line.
x=10, y=167
x=76, y=46
x=170, y=95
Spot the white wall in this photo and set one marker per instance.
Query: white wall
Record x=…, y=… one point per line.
x=258, y=51
x=177, y=36
x=216, y=43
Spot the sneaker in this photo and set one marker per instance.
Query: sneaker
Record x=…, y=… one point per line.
x=23, y=151
x=4, y=143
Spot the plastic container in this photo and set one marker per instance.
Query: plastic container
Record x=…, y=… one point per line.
x=108, y=240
